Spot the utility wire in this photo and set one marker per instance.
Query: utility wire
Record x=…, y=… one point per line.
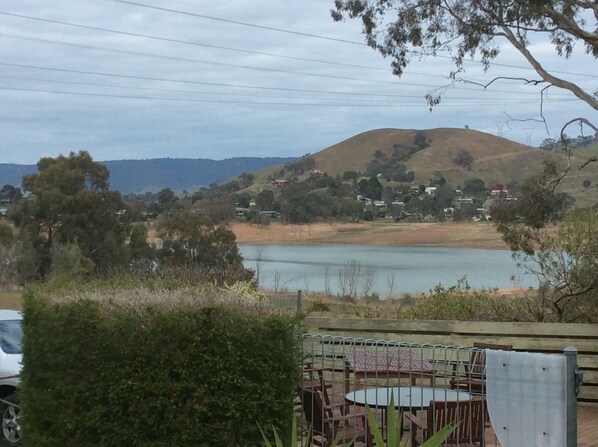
x=225, y=64
x=213, y=84
x=316, y=36
x=199, y=44
x=242, y=86
x=195, y=92
x=205, y=45
x=206, y=62
x=238, y=22
x=217, y=101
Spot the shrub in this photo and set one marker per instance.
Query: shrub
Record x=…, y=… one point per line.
x=460, y=303
x=154, y=368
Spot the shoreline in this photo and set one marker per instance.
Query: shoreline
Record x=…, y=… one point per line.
x=480, y=235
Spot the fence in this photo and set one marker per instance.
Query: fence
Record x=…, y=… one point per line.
x=286, y=302
x=546, y=338
x=527, y=397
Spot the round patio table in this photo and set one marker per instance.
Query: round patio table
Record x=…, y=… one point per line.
x=405, y=397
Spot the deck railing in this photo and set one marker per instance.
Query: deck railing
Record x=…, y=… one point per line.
x=342, y=374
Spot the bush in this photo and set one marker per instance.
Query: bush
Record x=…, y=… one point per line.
x=154, y=368
x=460, y=303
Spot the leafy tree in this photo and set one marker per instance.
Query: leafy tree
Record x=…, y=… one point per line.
x=464, y=158
x=521, y=223
x=242, y=200
x=71, y=203
x=191, y=239
x=265, y=200
x=550, y=144
x=420, y=139
x=351, y=175
x=139, y=248
x=246, y=180
x=371, y=188
x=8, y=254
x=305, y=163
x=349, y=208
x=474, y=186
x=9, y=194
x=396, y=27
x=197, y=195
x=586, y=183
x=69, y=262
x=219, y=209
x=437, y=179
x=445, y=194
x=167, y=199
x=465, y=212
x=566, y=264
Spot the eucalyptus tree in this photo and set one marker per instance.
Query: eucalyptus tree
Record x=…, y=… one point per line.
x=70, y=202
x=402, y=29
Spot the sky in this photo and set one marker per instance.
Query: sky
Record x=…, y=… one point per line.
x=145, y=79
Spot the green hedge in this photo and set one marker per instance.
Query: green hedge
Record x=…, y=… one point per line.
x=102, y=372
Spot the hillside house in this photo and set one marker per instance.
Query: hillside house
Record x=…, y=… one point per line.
x=499, y=192
x=279, y=183
x=460, y=201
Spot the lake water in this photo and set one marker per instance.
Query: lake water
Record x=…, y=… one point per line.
x=319, y=267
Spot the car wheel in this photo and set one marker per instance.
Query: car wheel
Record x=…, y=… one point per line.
x=11, y=422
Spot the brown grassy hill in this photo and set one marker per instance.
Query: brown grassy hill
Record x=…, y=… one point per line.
x=496, y=159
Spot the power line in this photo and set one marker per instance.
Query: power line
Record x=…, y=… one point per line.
x=226, y=64
x=219, y=84
x=213, y=84
x=206, y=62
x=317, y=36
x=239, y=50
x=238, y=22
x=195, y=92
x=260, y=103
x=186, y=42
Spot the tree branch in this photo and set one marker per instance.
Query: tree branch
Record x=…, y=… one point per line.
x=582, y=121
x=575, y=89
x=569, y=25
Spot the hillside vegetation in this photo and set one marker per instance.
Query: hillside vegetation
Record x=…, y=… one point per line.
x=496, y=160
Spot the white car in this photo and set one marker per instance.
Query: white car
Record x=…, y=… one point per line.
x=11, y=333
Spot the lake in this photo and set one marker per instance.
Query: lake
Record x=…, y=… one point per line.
x=379, y=269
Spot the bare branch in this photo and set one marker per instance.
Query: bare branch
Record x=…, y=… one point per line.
x=485, y=86
x=541, y=120
x=580, y=120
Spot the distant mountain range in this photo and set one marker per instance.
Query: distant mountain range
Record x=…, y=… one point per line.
x=137, y=176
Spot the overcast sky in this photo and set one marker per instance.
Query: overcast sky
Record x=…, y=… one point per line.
x=211, y=79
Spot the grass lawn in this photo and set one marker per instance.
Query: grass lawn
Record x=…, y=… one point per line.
x=11, y=300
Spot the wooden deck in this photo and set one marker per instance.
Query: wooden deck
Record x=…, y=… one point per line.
x=587, y=426
x=587, y=422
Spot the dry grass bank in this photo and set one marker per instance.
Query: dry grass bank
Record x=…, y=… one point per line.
x=447, y=234
x=11, y=300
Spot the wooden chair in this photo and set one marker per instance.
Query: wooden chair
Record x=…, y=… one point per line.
x=469, y=415
x=313, y=377
x=326, y=424
x=471, y=378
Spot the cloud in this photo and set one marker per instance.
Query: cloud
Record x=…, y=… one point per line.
x=233, y=103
